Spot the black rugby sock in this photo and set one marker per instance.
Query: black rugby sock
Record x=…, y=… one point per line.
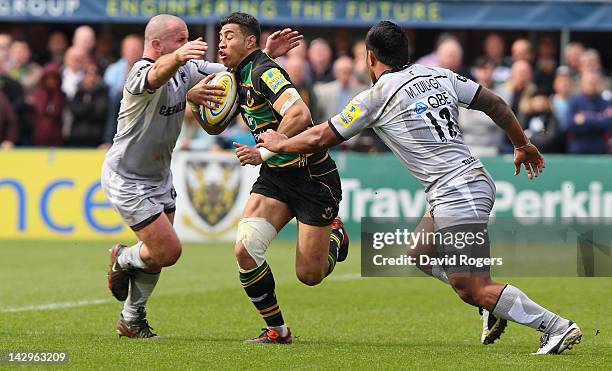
x=259, y=286
x=335, y=239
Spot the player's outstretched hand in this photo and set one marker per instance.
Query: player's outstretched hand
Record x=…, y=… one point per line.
x=280, y=42
x=205, y=94
x=247, y=155
x=531, y=158
x=272, y=140
x=195, y=49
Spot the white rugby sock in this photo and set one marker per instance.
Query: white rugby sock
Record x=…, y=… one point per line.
x=515, y=306
x=282, y=330
x=130, y=257
x=141, y=287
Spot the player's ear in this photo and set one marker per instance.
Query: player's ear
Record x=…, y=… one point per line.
x=251, y=41
x=371, y=59
x=156, y=43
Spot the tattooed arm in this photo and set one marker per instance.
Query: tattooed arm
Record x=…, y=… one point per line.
x=495, y=107
x=524, y=152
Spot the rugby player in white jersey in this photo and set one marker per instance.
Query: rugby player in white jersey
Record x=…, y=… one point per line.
x=413, y=109
x=136, y=175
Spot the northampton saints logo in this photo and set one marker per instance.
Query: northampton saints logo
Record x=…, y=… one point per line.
x=250, y=101
x=212, y=190
x=212, y=187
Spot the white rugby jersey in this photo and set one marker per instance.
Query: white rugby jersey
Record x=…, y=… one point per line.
x=414, y=111
x=150, y=121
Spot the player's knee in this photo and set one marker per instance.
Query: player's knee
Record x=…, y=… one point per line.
x=471, y=293
x=466, y=291
x=173, y=255
x=167, y=255
x=254, y=237
x=468, y=296
x=309, y=277
x=244, y=259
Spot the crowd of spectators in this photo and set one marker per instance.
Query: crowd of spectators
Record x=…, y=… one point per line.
x=562, y=108
x=69, y=93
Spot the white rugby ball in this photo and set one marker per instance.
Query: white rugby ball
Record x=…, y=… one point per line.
x=222, y=113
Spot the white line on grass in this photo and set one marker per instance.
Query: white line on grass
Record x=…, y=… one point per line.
x=55, y=306
x=87, y=303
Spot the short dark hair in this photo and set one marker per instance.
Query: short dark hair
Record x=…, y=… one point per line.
x=249, y=25
x=389, y=44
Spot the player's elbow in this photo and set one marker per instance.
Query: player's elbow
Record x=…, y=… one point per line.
x=305, y=117
x=500, y=105
x=153, y=80
x=496, y=107
x=302, y=116
x=299, y=115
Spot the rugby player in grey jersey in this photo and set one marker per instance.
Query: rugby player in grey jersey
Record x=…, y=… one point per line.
x=136, y=175
x=414, y=110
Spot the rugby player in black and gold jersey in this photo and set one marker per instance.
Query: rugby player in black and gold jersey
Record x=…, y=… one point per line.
x=303, y=185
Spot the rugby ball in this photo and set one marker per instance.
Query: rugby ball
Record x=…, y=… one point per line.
x=222, y=113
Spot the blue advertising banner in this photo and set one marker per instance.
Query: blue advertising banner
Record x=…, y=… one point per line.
x=583, y=15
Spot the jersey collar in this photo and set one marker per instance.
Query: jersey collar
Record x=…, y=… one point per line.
x=393, y=70
x=249, y=58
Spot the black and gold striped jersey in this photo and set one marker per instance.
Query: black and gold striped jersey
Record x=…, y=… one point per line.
x=261, y=82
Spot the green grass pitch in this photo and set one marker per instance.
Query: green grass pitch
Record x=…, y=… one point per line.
x=347, y=322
